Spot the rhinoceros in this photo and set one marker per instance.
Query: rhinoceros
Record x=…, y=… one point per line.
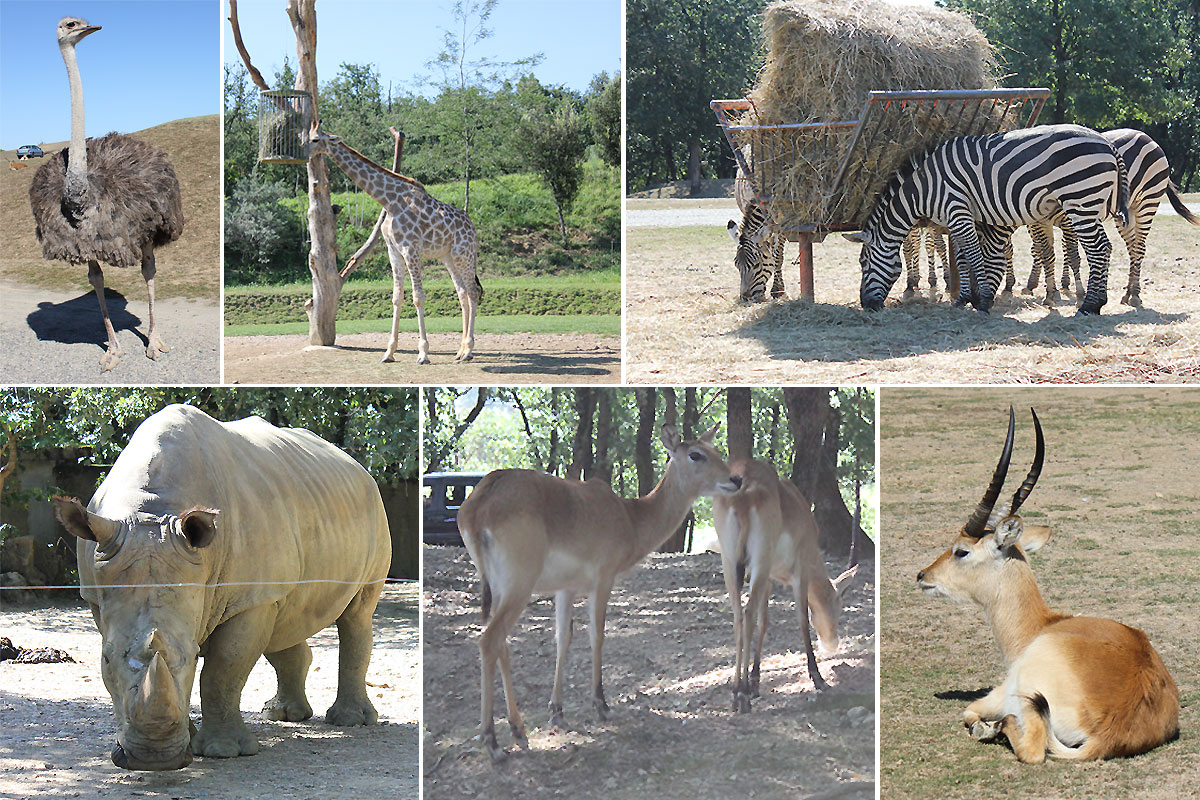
x=226, y=541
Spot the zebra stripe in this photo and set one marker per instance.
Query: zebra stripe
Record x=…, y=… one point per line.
x=982, y=188
x=1149, y=180
x=759, y=253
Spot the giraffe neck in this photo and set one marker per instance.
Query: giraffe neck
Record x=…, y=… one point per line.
x=384, y=186
x=76, y=179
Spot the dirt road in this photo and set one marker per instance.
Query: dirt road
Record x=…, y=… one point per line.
x=58, y=728
x=668, y=658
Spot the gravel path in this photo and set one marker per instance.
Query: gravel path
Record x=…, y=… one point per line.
x=58, y=337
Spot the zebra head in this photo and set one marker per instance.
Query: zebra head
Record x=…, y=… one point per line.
x=879, y=261
x=751, y=236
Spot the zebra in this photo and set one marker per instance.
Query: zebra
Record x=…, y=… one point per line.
x=982, y=188
x=934, y=239
x=759, y=244
x=1149, y=180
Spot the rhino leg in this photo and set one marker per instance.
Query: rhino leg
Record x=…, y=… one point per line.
x=229, y=655
x=291, y=668
x=352, y=706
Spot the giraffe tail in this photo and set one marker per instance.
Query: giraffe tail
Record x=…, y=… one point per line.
x=479, y=286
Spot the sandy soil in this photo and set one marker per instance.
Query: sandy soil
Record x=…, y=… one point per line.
x=508, y=359
x=57, y=719
x=685, y=322
x=1124, y=546
x=668, y=659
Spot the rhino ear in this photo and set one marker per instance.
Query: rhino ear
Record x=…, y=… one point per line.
x=199, y=526
x=80, y=522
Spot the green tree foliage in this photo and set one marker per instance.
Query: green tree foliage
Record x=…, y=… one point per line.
x=554, y=143
x=682, y=54
x=604, y=112
x=264, y=239
x=376, y=426
x=1108, y=63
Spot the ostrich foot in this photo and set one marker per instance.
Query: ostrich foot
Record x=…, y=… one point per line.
x=155, y=347
x=111, y=357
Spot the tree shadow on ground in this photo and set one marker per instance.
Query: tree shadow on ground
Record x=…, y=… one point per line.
x=78, y=320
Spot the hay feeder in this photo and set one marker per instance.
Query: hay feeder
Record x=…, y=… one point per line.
x=284, y=119
x=813, y=178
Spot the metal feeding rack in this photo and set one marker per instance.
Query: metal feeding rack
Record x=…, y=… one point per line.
x=284, y=118
x=813, y=178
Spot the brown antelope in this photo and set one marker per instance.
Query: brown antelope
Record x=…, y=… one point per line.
x=1077, y=687
x=528, y=532
x=768, y=526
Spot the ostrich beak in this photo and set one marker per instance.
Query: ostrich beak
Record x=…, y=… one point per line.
x=88, y=30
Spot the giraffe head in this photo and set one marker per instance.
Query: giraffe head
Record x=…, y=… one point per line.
x=320, y=142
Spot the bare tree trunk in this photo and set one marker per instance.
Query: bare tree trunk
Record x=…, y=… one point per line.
x=552, y=456
x=814, y=426
x=773, y=437
x=603, y=469
x=690, y=415
x=694, y=178
x=739, y=428
x=679, y=540
x=440, y=452
x=643, y=452
x=322, y=257
x=581, y=453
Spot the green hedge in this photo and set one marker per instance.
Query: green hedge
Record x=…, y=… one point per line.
x=246, y=306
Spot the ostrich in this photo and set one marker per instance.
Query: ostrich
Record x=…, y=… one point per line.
x=110, y=200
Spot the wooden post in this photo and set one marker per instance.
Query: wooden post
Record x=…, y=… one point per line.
x=805, y=262
x=322, y=257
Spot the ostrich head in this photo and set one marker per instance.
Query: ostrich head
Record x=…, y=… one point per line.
x=72, y=29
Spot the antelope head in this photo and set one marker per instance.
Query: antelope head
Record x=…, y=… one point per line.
x=992, y=544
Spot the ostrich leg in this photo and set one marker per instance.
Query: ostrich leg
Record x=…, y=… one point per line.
x=154, y=345
x=112, y=355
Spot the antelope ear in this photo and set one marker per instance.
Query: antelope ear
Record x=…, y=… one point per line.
x=1034, y=537
x=1009, y=531
x=82, y=523
x=732, y=227
x=710, y=434
x=669, y=436
x=861, y=236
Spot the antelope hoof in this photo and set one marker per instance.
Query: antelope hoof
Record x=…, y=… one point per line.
x=557, y=720
x=494, y=749
x=818, y=682
x=601, y=706
x=111, y=357
x=984, y=730
x=518, y=735
x=742, y=705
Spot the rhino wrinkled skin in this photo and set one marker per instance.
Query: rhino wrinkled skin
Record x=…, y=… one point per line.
x=217, y=505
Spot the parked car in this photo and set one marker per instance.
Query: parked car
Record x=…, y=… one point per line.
x=29, y=151
x=445, y=494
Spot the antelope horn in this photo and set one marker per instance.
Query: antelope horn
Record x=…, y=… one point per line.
x=1034, y=471
x=975, y=525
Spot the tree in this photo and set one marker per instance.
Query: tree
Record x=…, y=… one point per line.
x=465, y=80
x=604, y=109
x=739, y=431
x=554, y=145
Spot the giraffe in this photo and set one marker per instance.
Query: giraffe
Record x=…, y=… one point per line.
x=417, y=226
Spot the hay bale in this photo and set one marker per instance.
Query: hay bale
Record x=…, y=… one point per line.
x=823, y=57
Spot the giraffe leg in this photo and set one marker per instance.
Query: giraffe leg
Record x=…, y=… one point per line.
x=412, y=259
x=154, y=344
x=470, y=291
x=112, y=355
x=397, y=302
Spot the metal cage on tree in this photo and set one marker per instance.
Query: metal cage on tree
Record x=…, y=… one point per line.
x=284, y=118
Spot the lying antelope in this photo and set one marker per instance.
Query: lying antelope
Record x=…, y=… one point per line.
x=1077, y=687
x=528, y=532
x=768, y=526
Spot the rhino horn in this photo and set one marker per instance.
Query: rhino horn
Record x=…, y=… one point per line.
x=157, y=701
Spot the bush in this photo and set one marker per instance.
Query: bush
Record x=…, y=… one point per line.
x=264, y=238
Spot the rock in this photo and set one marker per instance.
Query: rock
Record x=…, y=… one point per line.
x=12, y=579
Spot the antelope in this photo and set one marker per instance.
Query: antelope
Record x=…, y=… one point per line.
x=528, y=532
x=769, y=526
x=1077, y=688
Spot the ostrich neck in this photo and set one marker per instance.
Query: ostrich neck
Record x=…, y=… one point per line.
x=76, y=184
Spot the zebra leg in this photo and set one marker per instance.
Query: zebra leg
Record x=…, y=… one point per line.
x=931, y=253
x=1135, y=242
x=996, y=245
x=949, y=269
x=910, y=249
x=1097, y=248
x=1071, y=265
x=1010, y=277
x=777, y=243
x=965, y=241
x=1043, y=260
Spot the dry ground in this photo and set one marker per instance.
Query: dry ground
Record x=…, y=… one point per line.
x=512, y=358
x=58, y=729
x=668, y=655
x=1119, y=490
x=685, y=322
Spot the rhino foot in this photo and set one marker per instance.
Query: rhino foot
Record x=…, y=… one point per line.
x=224, y=742
x=352, y=713
x=287, y=709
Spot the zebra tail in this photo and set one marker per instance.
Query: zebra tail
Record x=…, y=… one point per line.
x=1122, y=191
x=1177, y=204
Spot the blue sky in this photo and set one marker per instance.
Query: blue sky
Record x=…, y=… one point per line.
x=152, y=62
x=578, y=38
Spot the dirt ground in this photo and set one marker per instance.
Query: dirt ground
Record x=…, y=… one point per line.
x=509, y=359
x=1119, y=492
x=667, y=662
x=58, y=729
x=685, y=322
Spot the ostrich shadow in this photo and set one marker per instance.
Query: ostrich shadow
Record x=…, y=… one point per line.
x=78, y=320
